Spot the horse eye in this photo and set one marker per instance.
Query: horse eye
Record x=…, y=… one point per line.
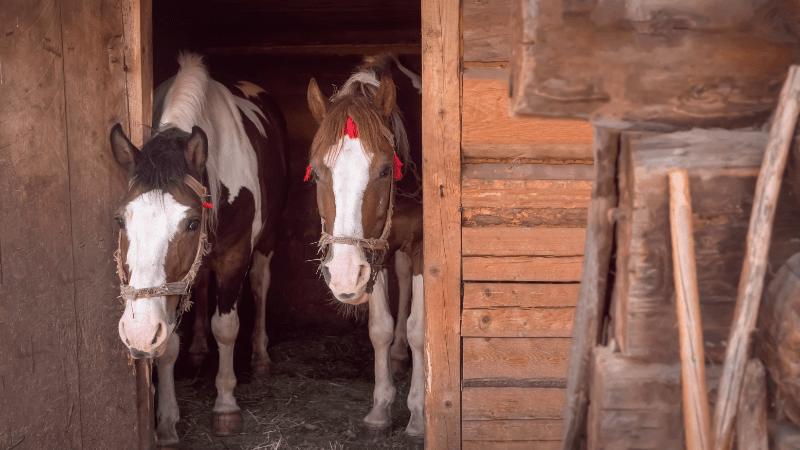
x=385, y=172
x=193, y=225
x=120, y=222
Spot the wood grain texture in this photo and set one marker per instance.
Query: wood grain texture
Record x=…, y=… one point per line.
x=522, y=268
x=722, y=186
x=486, y=30
x=510, y=445
x=525, y=193
x=138, y=59
x=524, y=217
x=687, y=301
x=514, y=170
x=441, y=172
x=517, y=322
x=513, y=241
x=511, y=430
x=591, y=306
x=95, y=80
x=514, y=295
x=40, y=398
x=751, y=419
x=691, y=64
x=489, y=132
x=759, y=236
x=511, y=403
x=516, y=358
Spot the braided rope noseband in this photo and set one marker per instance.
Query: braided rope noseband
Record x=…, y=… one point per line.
x=183, y=287
x=377, y=248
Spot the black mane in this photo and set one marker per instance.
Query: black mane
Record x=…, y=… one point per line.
x=162, y=161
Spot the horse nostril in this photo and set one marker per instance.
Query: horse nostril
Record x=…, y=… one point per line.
x=158, y=333
x=326, y=273
x=363, y=272
x=346, y=296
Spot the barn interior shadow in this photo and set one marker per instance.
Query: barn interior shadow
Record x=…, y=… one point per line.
x=320, y=386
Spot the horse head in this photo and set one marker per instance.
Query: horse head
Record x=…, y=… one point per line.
x=162, y=232
x=353, y=162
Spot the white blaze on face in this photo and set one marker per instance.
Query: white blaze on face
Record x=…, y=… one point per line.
x=350, y=173
x=151, y=222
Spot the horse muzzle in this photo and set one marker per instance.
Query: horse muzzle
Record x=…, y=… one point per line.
x=144, y=333
x=347, y=275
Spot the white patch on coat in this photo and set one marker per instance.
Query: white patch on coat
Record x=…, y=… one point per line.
x=416, y=80
x=151, y=222
x=195, y=99
x=350, y=175
x=249, y=90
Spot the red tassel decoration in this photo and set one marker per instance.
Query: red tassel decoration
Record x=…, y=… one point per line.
x=207, y=205
x=350, y=129
x=398, y=175
x=308, y=173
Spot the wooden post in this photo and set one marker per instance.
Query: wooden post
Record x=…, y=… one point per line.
x=145, y=404
x=441, y=169
x=693, y=373
x=751, y=282
x=594, y=277
x=751, y=420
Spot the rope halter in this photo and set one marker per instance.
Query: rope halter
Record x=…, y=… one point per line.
x=184, y=286
x=372, y=250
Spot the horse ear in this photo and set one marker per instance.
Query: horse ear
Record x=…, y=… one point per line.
x=197, y=152
x=126, y=154
x=317, y=102
x=385, y=98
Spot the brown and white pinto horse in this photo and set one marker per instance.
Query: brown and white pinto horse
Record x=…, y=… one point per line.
x=231, y=140
x=356, y=158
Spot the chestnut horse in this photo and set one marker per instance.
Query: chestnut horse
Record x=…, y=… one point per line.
x=356, y=160
x=214, y=174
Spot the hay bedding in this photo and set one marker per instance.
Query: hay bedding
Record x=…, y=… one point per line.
x=319, y=390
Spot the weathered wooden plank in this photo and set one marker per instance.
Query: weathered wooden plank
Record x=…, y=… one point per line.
x=516, y=358
x=522, y=268
x=511, y=430
x=594, y=284
x=138, y=48
x=759, y=236
x=514, y=295
x=637, y=405
x=690, y=64
x=511, y=403
x=517, y=322
x=486, y=30
x=40, y=397
x=94, y=77
x=510, y=445
x=441, y=173
x=488, y=132
x=514, y=241
x=525, y=193
x=524, y=217
x=521, y=171
x=751, y=419
x=722, y=185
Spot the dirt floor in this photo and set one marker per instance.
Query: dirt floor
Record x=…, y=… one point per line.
x=319, y=390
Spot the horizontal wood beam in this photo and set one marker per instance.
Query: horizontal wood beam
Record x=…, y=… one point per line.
x=517, y=322
x=511, y=403
x=520, y=295
x=515, y=358
x=511, y=430
x=518, y=241
x=323, y=49
x=525, y=193
x=521, y=268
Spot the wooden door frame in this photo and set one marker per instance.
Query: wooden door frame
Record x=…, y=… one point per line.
x=441, y=168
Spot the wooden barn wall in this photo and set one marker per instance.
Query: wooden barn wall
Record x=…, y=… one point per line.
x=525, y=187
x=65, y=379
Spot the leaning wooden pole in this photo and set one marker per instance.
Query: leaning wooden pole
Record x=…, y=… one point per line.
x=594, y=278
x=759, y=235
x=690, y=331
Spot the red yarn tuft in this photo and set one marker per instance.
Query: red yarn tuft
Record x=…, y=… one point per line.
x=308, y=173
x=207, y=205
x=398, y=175
x=350, y=129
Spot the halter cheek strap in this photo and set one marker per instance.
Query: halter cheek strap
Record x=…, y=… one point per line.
x=183, y=287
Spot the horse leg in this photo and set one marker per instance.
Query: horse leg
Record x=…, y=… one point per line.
x=167, y=404
x=199, y=348
x=379, y=420
x=399, y=352
x=226, y=415
x=259, y=283
x=416, y=338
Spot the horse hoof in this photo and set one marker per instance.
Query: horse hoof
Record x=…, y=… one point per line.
x=374, y=434
x=261, y=369
x=400, y=365
x=226, y=423
x=415, y=442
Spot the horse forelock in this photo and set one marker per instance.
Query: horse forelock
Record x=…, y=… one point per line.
x=162, y=161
